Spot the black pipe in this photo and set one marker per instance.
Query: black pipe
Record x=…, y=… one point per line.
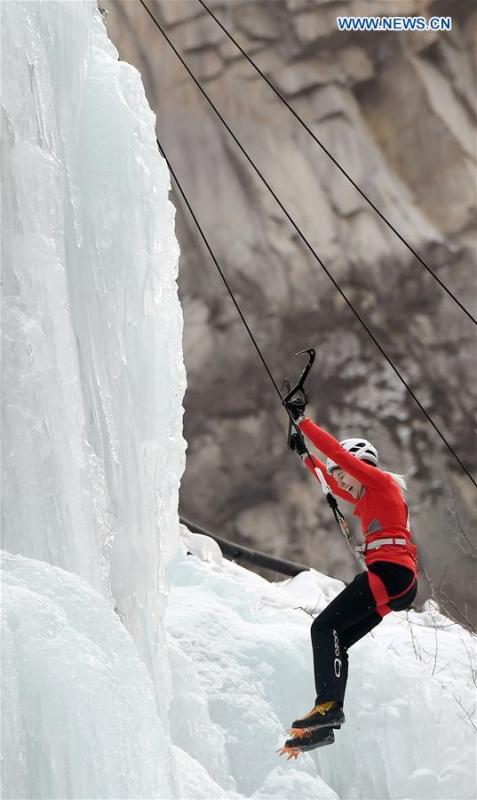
x=239, y=554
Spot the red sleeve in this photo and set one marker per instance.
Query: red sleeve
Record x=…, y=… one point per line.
x=365, y=473
x=314, y=461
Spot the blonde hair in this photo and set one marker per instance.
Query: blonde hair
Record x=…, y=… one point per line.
x=400, y=479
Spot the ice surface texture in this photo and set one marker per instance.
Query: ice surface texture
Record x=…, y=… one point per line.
x=93, y=375
x=79, y=718
x=242, y=671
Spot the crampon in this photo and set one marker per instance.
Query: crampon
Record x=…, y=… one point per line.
x=303, y=739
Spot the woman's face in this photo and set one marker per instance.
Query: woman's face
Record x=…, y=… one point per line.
x=346, y=482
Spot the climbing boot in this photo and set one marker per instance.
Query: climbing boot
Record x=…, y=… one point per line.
x=304, y=740
x=323, y=715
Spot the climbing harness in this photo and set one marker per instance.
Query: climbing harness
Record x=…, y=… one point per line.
x=382, y=543
x=380, y=593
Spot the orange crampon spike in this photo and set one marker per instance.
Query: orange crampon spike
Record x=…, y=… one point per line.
x=290, y=752
x=298, y=733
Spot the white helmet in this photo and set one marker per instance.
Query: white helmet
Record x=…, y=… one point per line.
x=360, y=448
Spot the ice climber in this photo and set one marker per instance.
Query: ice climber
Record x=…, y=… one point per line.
x=388, y=584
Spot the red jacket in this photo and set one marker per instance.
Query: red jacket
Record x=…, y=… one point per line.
x=381, y=508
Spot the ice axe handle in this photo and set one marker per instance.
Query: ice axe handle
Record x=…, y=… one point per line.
x=286, y=386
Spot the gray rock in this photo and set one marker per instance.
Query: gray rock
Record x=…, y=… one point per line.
x=304, y=76
x=180, y=11
x=259, y=21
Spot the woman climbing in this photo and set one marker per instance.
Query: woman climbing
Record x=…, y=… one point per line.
x=388, y=584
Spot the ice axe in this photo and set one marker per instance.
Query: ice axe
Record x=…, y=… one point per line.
x=332, y=502
x=299, y=387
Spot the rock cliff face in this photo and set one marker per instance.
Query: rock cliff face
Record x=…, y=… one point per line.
x=398, y=112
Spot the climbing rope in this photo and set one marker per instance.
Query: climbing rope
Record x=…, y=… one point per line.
x=306, y=242
x=332, y=502
x=338, y=165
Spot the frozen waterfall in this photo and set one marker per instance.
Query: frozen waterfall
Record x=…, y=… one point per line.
x=93, y=380
x=93, y=375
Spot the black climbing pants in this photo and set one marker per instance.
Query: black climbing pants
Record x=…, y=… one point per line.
x=350, y=616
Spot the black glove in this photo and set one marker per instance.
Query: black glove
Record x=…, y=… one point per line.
x=296, y=406
x=297, y=443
